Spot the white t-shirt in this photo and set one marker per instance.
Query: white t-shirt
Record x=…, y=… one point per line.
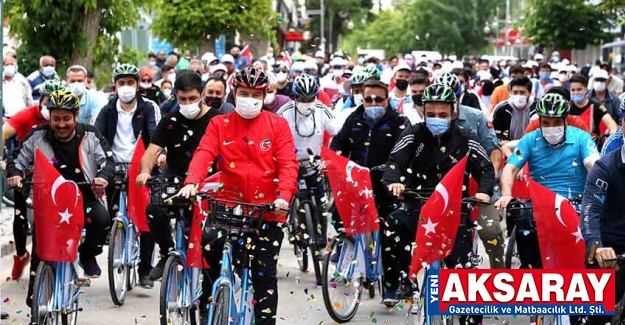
x=124, y=141
x=13, y=97
x=405, y=106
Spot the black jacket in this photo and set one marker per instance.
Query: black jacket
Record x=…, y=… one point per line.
x=144, y=121
x=424, y=159
x=502, y=118
x=470, y=99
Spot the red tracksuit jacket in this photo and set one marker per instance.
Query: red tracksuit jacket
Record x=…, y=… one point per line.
x=256, y=157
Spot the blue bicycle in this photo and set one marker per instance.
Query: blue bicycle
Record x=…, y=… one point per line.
x=123, y=258
x=181, y=286
x=238, y=220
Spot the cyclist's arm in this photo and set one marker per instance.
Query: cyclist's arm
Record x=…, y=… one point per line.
x=8, y=131
x=340, y=142
x=593, y=204
x=588, y=151
x=520, y=156
x=204, y=155
x=400, y=157
x=153, y=117
x=499, y=124
x=481, y=167
x=103, y=158
x=23, y=157
x=488, y=140
x=609, y=123
x=330, y=123
x=288, y=167
x=149, y=158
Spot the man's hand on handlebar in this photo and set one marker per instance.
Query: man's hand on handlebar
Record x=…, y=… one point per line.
x=15, y=181
x=606, y=257
x=281, y=204
x=161, y=161
x=503, y=202
x=142, y=179
x=188, y=191
x=485, y=198
x=396, y=189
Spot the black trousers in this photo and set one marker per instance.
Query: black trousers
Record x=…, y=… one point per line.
x=264, y=267
x=146, y=240
x=20, y=220
x=159, y=222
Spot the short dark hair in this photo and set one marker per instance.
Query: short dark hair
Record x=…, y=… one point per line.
x=166, y=82
x=560, y=91
x=152, y=55
x=480, y=61
x=419, y=79
x=188, y=80
x=371, y=83
x=579, y=78
x=521, y=81
x=217, y=79
x=437, y=64
x=166, y=67
x=394, y=57
x=544, y=66
x=517, y=69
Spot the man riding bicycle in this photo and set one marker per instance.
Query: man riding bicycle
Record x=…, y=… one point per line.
x=422, y=156
x=256, y=156
x=80, y=154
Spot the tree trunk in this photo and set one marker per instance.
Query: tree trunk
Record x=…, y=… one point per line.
x=90, y=23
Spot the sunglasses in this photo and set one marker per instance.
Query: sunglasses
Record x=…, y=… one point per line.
x=146, y=80
x=377, y=100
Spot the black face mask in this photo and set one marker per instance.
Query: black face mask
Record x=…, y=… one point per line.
x=418, y=99
x=401, y=84
x=213, y=102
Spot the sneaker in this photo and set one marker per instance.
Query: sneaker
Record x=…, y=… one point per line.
x=18, y=265
x=389, y=299
x=405, y=291
x=145, y=282
x=157, y=271
x=91, y=268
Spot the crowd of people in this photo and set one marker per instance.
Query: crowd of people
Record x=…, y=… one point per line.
x=255, y=121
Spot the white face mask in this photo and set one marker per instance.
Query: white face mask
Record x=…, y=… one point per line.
x=270, y=98
x=598, y=86
x=358, y=100
x=145, y=85
x=127, y=93
x=172, y=77
x=9, y=70
x=518, y=101
x=305, y=108
x=338, y=73
x=190, y=111
x=248, y=107
x=563, y=78
x=553, y=135
x=78, y=88
x=45, y=112
x=167, y=92
x=281, y=77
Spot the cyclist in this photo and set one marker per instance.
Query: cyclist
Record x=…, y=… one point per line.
x=424, y=153
x=81, y=154
x=570, y=120
x=178, y=134
x=418, y=83
x=474, y=120
x=615, y=141
x=21, y=124
x=257, y=159
x=547, y=151
x=122, y=121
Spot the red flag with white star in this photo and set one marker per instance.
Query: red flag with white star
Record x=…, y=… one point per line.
x=439, y=220
x=138, y=196
x=557, y=225
x=59, y=213
x=200, y=209
x=353, y=193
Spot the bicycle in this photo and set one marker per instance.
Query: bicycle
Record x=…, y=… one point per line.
x=619, y=311
x=306, y=224
x=181, y=288
x=123, y=257
x=239, y=220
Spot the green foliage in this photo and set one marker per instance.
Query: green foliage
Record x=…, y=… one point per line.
x=190, y=23
x=104, y=75
x=56, y=27
x=577, y=25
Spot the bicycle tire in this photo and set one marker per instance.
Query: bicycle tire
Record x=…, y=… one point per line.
x=372, y=290
x=117, y=264
x=221, y=305
x=44, y=278
x=133, y=271
x=344, y=318
x=510, y=249
x=170, y=272
x=311, y=229
x=301, y=252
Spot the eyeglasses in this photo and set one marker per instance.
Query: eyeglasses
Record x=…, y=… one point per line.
x=377, y=100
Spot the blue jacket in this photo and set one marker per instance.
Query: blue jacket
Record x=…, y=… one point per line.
x=614, y=142
x=603, y=211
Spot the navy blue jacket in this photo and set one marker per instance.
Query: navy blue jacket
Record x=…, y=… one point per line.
x=603, y=211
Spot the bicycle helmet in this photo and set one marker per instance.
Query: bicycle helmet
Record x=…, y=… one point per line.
x=251, y=78
x=450, y=80
x=305, y=86
x=357, y=79
x=50, y=86
x=371, y=73
x=553, y=105
x=63, y=99
x=439, y=93
x=125, y=70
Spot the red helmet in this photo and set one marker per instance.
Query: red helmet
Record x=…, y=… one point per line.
x=251, y=78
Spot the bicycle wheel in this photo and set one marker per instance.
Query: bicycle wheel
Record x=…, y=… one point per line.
x=311, y=230
x=133, y=268
x=511, y=260
x=117, y=268
x=221, y=305
x=342, y=286
x=71, y=318
x=42, y=310
x=300, y=251
x=170, y=298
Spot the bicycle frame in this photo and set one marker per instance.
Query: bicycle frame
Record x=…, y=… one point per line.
x=366, y=264
x=191, y=288
x=122, y=216
x=64, y=275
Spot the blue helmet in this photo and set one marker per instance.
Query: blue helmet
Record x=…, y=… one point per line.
x=305, y=87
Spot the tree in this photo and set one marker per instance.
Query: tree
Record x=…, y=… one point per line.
x=387, y=31
x=74, y=32
x=566, y=24
x=196, y=23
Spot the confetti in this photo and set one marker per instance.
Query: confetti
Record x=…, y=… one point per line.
x=5, y=300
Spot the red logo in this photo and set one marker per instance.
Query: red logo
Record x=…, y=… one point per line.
x=265, y=145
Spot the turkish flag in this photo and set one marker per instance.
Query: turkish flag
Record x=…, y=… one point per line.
x=439, y=220
x=557, y=225
x=200, y=209
x=246, y=52
x=138, y=196
x=521, y=188
x=353, y=193
x=59, y=213
x=327, y=139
